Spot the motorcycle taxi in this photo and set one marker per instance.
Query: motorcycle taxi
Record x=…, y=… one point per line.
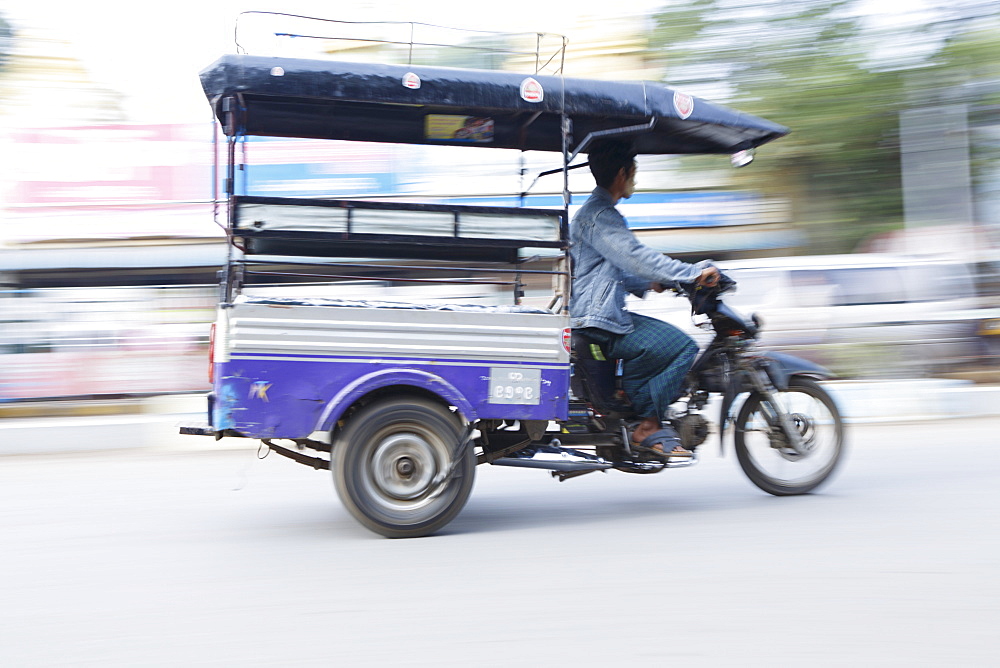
x=403, y=401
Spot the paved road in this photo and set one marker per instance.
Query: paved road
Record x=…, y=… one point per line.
x=175, y=556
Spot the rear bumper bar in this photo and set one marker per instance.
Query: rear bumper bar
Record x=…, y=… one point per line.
x=205, y=429
x=197, y=429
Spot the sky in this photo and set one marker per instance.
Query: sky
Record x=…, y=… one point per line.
x=152, y=53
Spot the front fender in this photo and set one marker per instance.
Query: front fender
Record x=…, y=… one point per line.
x=376, y=380
x=782, y=366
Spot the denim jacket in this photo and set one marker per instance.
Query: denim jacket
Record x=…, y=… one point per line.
x=608, y=261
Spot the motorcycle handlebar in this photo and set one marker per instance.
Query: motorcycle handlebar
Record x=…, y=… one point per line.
x=705, y=300
x=702, y=293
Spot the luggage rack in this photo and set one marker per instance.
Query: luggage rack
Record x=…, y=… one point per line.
x=359, y=34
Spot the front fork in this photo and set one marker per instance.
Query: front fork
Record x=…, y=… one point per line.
x=774, y=412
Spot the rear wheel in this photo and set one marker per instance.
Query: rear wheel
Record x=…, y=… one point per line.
x=398, y=467
x=766, y=455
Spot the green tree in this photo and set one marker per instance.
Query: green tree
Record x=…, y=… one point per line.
x=835, y=80
x=6, y=41
x=802, y=64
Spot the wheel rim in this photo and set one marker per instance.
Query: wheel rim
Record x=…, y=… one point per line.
x=402, y=472
x=820, y=436
x=403, y=466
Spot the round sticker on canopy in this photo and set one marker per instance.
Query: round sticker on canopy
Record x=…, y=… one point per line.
x=411, y=81
x=684, y=104
x=531, y=90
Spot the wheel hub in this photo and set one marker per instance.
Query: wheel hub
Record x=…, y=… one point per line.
x=803, y=424
x=404, y=466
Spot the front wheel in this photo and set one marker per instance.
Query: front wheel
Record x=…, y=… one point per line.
x=399, y=467
x=764, y=452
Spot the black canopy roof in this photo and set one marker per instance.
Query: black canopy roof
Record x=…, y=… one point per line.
x=413, y=104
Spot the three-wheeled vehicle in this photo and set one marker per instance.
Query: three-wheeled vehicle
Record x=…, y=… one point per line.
x=401, y=399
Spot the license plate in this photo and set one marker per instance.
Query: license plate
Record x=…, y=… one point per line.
x=515, y=385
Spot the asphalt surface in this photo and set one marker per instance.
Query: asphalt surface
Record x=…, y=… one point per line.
x=191, y=552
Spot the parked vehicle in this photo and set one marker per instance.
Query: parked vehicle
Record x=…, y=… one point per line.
x=918, y=314
x=406, y=399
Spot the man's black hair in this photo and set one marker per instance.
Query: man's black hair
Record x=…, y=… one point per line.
x=607, y=157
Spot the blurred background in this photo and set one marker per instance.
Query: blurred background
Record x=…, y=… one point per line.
x=868, y=239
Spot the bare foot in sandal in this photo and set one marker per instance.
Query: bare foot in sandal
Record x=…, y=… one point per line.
x=645, y=429
x=662, y=442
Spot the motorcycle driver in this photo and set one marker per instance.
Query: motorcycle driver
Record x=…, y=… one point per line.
x=608, y=261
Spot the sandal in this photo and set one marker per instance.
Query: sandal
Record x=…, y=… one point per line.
x=656, y=444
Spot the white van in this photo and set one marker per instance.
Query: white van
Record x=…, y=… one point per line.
x=882, y=309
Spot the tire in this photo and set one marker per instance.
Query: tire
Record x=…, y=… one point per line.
x=766, y=458
x=385, y=462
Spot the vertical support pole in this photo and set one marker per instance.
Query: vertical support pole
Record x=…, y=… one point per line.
x=230, y=129
x=567, y=137
x=520, y=182
x=518, y=285
x=567, y=128
x=215, y=169
x=409, y=60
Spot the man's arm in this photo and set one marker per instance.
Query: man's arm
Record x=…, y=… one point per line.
x=610, y=236
x=709, y=277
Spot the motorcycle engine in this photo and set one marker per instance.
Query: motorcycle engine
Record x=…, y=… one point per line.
x=693, y=430
x=712, y=376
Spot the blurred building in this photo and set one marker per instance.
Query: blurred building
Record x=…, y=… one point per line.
x=111, y=233
x=96, y=260
x=139, y=198
x=84, y=198
x=44, y=83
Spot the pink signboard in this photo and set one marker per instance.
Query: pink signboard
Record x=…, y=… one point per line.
x=124, y=181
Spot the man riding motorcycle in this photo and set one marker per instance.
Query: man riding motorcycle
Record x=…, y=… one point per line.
x=608, y=261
